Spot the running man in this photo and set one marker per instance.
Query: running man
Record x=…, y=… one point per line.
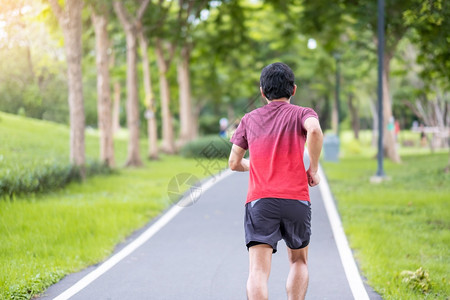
x=278, y=205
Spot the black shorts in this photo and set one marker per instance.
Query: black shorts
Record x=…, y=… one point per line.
x=268, y=220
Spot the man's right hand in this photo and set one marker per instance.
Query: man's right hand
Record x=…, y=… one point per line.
x=313, y=178
x=314, y=139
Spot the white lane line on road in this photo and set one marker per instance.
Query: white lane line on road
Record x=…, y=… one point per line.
x=139, y=241
x=351, y=270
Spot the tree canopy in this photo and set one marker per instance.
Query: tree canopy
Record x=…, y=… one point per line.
x=228, y=43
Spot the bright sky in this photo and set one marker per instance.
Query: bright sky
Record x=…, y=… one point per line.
x=11, y=15
x=17, y=18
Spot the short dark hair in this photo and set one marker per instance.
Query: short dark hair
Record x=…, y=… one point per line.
x=277, y=81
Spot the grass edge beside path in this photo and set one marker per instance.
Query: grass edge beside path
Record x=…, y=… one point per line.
x=397, y=226
x=44, y=237
x=34, y=155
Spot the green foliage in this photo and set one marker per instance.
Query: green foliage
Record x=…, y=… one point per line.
x=350, y=27
x=43, y=177
x=398, y=225
x=223, y=64
x=240, y=38
x=39, y=93
x=230, y=42
x=431, y=23
x=209, y=147
x=209, y=124
x=418, y=280
x=34, y=285
x=32, y=75
x=354, y=147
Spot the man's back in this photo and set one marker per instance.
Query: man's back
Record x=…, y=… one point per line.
x=275, y=137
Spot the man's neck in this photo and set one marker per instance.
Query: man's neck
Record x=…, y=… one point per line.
x=288, y=100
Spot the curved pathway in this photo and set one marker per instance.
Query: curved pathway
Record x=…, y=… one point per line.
x=198, y=252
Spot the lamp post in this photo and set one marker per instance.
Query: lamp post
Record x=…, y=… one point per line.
x=380, y=172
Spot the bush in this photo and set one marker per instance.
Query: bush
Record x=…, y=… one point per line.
x=209, y=124
x=418, y=280
x=354, y=147
x=210, y=146
x=44, y=177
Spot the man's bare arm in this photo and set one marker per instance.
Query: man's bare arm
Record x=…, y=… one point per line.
x=314, y=140
x=237, y=162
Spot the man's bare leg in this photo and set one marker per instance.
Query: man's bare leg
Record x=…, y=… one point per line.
x=260, y=258
x=297, y=281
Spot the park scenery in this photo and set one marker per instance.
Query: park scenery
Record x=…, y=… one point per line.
x=110, y=111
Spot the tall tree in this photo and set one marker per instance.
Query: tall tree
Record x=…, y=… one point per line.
x=395, y=29
x=116, y=108
x=354, y=115
x=116, y=95
x=220, y=57
x=164, y=62
x=189, y=10
x=69, y=19
x=152, y=21
x=150, y=115
x=130, y=25
x=100, y=22
x=178, y=29
x=324, y=15
x=187, y=126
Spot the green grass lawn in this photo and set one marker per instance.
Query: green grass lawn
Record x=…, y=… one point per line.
x=46, y=236
x=33, y=151
x=401, y=224
x=25, y=142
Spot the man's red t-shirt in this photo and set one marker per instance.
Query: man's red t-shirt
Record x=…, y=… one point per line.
x=275, y=136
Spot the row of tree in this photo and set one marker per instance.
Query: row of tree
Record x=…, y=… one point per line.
x=209, y=55
x=424, y=23
x=139, y=21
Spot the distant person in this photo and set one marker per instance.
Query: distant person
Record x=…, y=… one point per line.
x=423, y=135
x=396, y=129
x=223, y=122
x=390, y=125
x=233, y=127
x=278, y=205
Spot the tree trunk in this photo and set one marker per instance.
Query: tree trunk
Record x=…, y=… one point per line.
x=186, y=114
x=33, y=78
x=168, y=136
x=116, y=108
x=354, y=116
x=32, y=74
x=334, y=118
x=134, y=157
x=149, y=101
x=103, y=89
x=373, y=110
x=389, y=144
x=195, y=125
x=129, y=25
x=71, y=24
x=116, y=98
x=323, y=111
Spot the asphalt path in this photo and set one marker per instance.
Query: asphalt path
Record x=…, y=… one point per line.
x=201, y=254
